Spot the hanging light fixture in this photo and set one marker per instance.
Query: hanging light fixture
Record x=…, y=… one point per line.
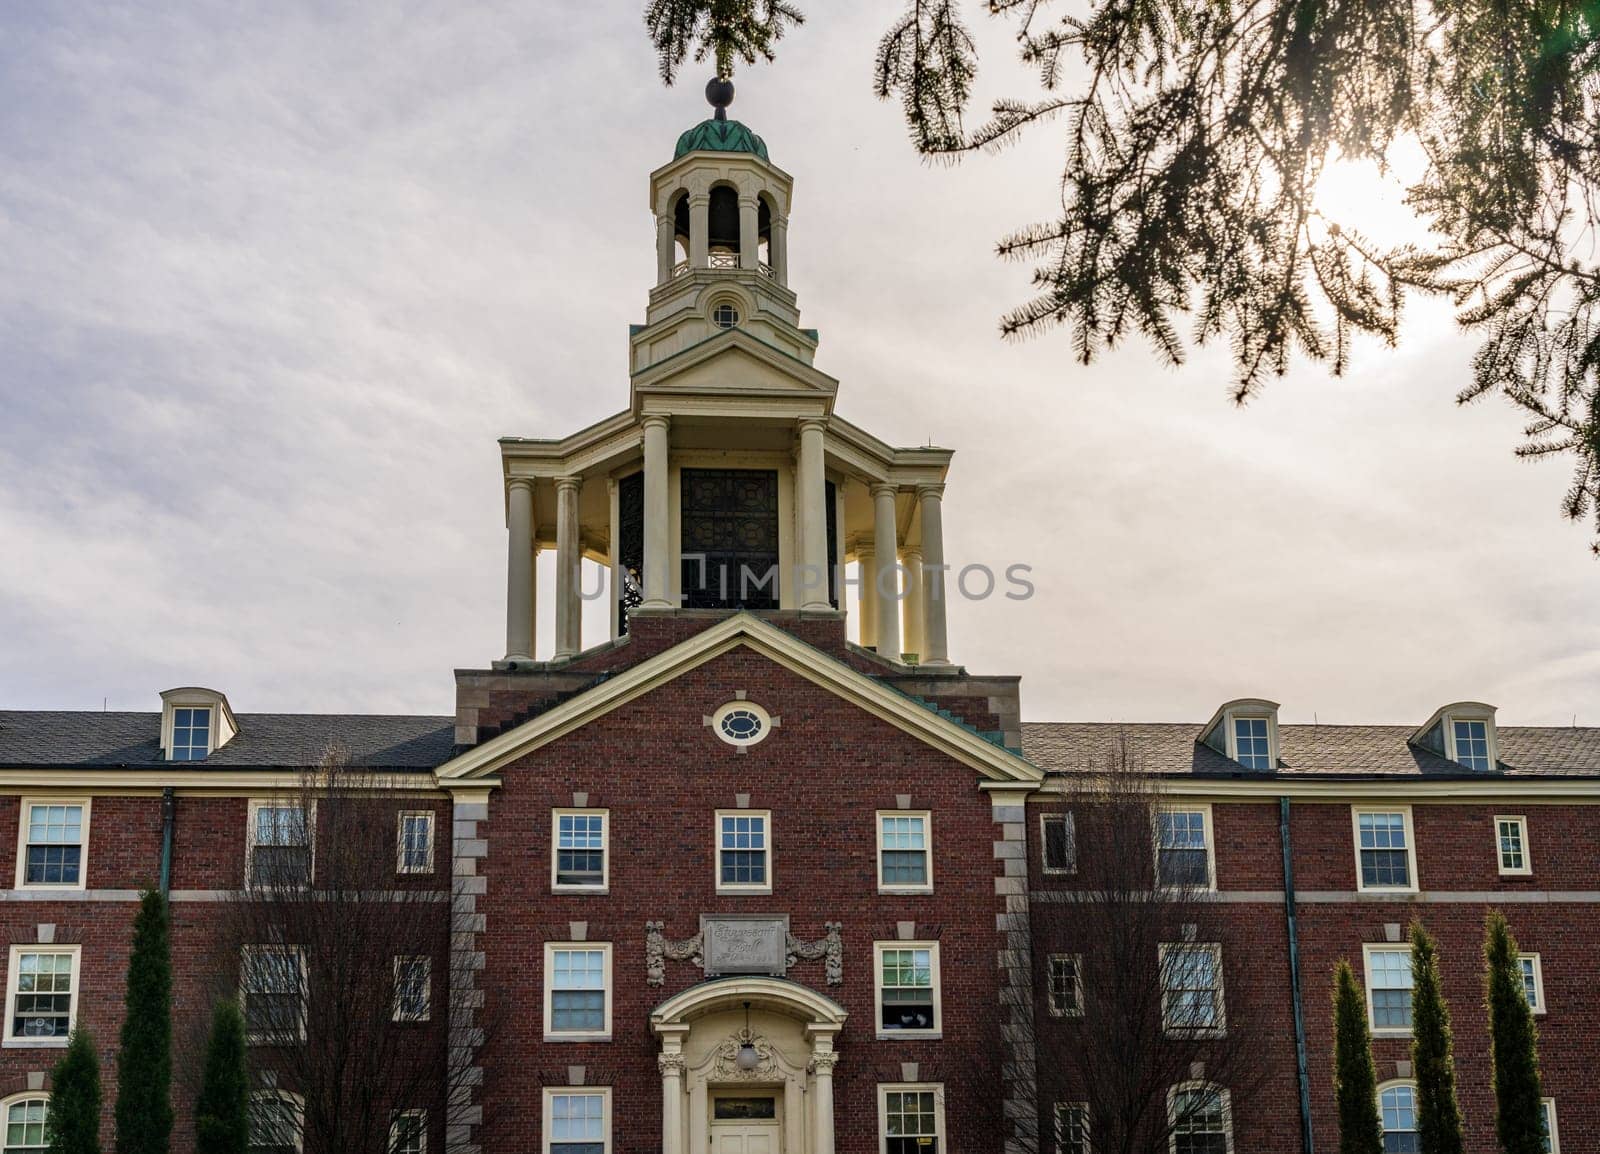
x=748, y=1059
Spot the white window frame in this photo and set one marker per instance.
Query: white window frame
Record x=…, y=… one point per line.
x=1538, y=979
x=555, y=851
x=256, y=804
x=1224, y=1098
x=550, y=951
x=1392, y=1084
x=717, y=850
x=427, y=988
x=1367, y=950
x=400, y=841
x=255, y=1039
x=934, y=976
x=1203, y=808
x=1058, y=1126
x=1548, y=1106
x=548, y=1119
x=1453, y=751
x=1521, y=822
x=1411, y=848
x=936, y=1088
x=298, y=1104
x=22, y=842
x=927, y=842
x=1056, y=1009
x=13, y=972
x=21, y=1096
x=1220, y=1030
x=1272, y=739
x=1063, y=815
x=394, y=1127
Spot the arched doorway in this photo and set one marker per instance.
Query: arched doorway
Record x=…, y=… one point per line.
x=779, y=1099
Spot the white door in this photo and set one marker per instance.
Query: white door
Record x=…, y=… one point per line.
x=744, y=1138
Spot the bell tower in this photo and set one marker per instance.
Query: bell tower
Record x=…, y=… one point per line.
x=722, y=241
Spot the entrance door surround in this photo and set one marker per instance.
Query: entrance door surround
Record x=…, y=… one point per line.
x=792, y=1029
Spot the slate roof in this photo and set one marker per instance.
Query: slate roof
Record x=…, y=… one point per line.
x=1307, y=750
x=31, y=738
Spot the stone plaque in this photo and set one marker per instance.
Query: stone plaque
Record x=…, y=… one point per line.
x=745, y=944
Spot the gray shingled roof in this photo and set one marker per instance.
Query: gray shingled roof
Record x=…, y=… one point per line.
x=1331, y=750
x=71, y=738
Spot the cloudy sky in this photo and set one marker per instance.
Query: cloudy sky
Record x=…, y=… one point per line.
x=276, y=276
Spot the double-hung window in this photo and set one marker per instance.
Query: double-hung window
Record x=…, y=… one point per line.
x=1183, y=847
x=1397, y=1106
x=908, y=988
x=580, y=850
x=1252, y=741
x=1191, y=989
x=280, y=845
x=1511, y=844
x=54, y=834
x=911, y=1118
x=1533, y=981
x=413, y=988
x=24, y=1124
x=904, y=847
x=191, y=734
x=1059, y=837
x=577, y=1121
x=415, y=837
x=1472, y=744
x=277, y=1123
x=272, y=988
x=1552, y=1135
x=744, y=851
x=1389, y=989
x=1385, y=849
x=1066, y=985
x=1199, y=1120
x=408, y=1132
x=1072, y=1128
x=577, y=991
x=41, y=995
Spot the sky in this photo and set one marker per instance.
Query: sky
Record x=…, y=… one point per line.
x=277, y=276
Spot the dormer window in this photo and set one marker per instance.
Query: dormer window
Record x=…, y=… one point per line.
x=191, y=734
x=1247, y=732
x=195, y=723
x=1462, y=733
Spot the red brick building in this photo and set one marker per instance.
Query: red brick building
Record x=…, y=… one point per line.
x=764, y=870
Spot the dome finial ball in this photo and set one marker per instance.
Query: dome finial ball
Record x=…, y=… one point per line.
x=719, y=92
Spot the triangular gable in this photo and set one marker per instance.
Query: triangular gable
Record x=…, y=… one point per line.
x=734, y=361
x=745, y=629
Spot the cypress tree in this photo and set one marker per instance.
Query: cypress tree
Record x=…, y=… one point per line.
x=1355, y=1079
x=1432, y=1052
x=1513, y=1044
x=73, y=1123
x=144, y=1064
x=222, y=1113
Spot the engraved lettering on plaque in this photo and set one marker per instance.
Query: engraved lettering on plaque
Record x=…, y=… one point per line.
x=745, y=945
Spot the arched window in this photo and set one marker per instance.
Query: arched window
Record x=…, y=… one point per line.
x=1201, y=1119
x=24, y=1117
x=277, y=1122
x=1397, y=1103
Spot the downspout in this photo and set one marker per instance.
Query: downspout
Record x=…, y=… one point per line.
x=169, y=813
x=1308, y=1145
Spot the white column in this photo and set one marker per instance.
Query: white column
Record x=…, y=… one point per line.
x=671, y=1065
x=780, y=250
x=935, y=587
x=519, y=570
x=666, y=240
x=749, y=232
x=812, y=497
x=657, y=512
x=912, y=558
x=887, y=549
x=568, y=559
x=868, y=594
x=823, y=1059
x=700, y=230
x=699, y=1117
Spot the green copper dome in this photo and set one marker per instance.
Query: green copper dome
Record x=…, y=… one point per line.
x=720, y=136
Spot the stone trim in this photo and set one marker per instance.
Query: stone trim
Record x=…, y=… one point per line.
x=464, y=1074
x=1014, y=958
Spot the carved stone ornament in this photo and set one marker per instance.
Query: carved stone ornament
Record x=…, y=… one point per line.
x=824, y=1063
x=830, y=948
x=727, y=1059
x=657, y=949
x=671, y=1063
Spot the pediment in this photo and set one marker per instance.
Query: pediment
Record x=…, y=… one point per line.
x=991, y=762
x=735, y=364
